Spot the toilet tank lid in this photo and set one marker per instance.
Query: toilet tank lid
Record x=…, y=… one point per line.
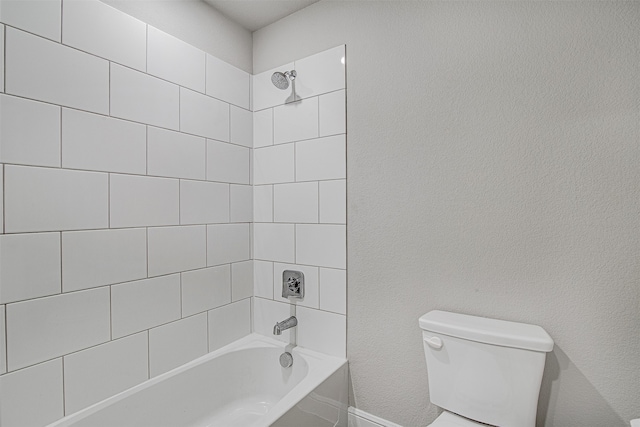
x=490, y=331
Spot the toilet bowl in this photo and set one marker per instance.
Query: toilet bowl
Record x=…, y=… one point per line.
x=483, y=371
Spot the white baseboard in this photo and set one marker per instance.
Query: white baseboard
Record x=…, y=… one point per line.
x=360, y=418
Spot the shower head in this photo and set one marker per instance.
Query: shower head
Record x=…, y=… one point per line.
x=281, y=80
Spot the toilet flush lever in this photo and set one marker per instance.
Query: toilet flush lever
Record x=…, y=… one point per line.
x=434, y=342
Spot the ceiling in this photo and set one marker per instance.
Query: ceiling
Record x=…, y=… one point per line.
x=255, y=14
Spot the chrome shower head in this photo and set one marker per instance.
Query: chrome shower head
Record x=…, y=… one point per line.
x=281, y=80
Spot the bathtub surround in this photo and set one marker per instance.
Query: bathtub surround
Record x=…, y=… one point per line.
x=127, y=206
x=299, y=178
x=493, y=170
x=133, y=240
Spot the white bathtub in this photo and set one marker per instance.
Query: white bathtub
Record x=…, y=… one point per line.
x=240, y=385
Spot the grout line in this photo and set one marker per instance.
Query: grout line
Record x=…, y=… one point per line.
x=109, y=200
x=61, y=265
x=208, y=342
x=61, y=127
x=146, y=238
x=148, y=353
x=4, y=58
x=126, y=119
x=146, y=48
x=181, y=311
x=146, y=150
x=4, y=202
x=64, y=400
x=109, y=89
x=6, y=330
x=62, y=2
x=110, y=314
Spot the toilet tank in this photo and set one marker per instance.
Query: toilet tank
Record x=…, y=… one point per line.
x=484, y=369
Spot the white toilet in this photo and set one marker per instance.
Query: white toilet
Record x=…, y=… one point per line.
x=483, y=371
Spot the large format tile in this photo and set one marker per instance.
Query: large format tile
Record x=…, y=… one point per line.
x=295, y=202
x=204, y=116
x=177, y=343
x=205, y=289
x=103, y=257
x=333, y=290
x=312, y=331
x=102, y=30
x=228, y=243
x=174, y=249
x=241, y=126
x=333, y=202
x=72, y=200
x=321, y=245
x=241, y=201
x=203, y=202
x=265, y=94
x=241, y=280
x=296, y=121
x=143, y=98
x=321, y=73
x=174, y=60
x=143, y=201
x=322, y=158
x=274, y=242
x=32, y=397
x=140, y=305
x=263, y=279
x=228, y=83
x=94, y=374
x=44, y=328
x=229, y=323
x=175, y=154
x=263, y=128
x=263, y=203
x=272, y=165
x=332, y=113
x=228, y=162
x=37, y=17
x=29, y=266
x=96, y=142
x=47, y=71
x=29, y=132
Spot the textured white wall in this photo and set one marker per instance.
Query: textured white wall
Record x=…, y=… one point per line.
x=197, y=23
x=493, y=160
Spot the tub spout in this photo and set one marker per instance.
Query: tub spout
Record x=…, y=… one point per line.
x=284, y=325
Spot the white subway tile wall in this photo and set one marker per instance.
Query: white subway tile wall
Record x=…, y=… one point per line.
x=299, y=199
x=23, y=143
x=177, y=343
x=97, y=142
x=174, y=60
x=205, y=289
x=110, y=268
x=126, y=180
x=99, y=372
x=37, y=387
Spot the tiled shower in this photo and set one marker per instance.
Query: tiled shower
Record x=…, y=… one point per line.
x=152, y=196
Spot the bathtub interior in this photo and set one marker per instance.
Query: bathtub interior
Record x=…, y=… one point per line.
x=241, y=384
